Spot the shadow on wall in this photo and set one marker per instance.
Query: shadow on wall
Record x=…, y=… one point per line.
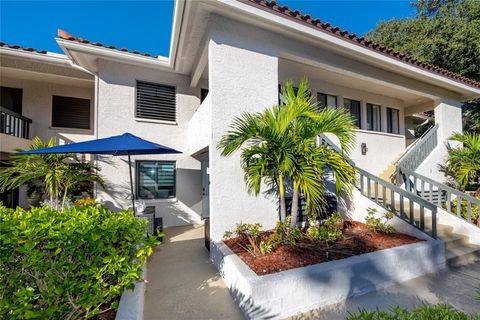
x=250, y=309
x=189, y=188
x=174, y=213
x=364, y=293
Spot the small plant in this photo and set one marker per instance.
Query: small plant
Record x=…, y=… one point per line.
x=329, y=231
x=376, y=224
x=464, y=210
x=251, y=234
x=423, y=312
x=85, y=202
x=289, y=235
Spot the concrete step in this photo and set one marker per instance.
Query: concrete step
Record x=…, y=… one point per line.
x=462, y=255
x=454, y=240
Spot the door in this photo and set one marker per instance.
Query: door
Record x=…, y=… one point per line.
x=205, y=191
x=206, y=202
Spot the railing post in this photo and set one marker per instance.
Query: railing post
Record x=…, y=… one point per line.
x=434, y=223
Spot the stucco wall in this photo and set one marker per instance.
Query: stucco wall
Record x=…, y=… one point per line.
x=200, y=127
x=242, y=78
x=116, y=107
x=37, y=105
x=448, y=114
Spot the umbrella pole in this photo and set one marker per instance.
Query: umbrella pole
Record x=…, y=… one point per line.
x=131, y=183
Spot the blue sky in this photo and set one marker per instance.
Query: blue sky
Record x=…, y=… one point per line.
x=146, y=25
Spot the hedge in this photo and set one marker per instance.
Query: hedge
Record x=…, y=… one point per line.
x=423, y=312
x=73, y=264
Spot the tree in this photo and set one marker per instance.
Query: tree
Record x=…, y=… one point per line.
x=58, y=173
x=463, y=163
x=445, y=33
x=279, y=146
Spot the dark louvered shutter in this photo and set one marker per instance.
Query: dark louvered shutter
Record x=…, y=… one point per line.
x=70, y=112
x=155, y=101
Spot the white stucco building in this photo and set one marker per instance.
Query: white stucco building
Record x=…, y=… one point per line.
x=226, y=57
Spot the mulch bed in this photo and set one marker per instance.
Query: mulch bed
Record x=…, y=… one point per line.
x=108, y=315
x=356, y=240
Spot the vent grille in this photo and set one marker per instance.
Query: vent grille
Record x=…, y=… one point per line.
x=155, y=101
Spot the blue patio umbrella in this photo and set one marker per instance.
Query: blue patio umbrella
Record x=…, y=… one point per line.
x=126, y=144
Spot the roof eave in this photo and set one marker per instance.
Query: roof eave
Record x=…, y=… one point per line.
x=53, y=58
x=294, y=27
x=69, y=47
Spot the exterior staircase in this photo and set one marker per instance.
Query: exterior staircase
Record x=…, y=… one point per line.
x=458, y=249
x=416, y=198
x=389, y=173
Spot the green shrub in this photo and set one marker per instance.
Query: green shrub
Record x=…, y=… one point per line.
x=376, y=224
x=464, y=209
x=424, y=312
x=289, y=235
x=85, y=202
x=328, y=232
x=70, y=264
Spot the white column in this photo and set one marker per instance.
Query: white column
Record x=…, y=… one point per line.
x=448, y=114
x=240, y=80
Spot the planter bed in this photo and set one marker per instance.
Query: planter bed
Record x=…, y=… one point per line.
x=306, y=282
x=356, y=240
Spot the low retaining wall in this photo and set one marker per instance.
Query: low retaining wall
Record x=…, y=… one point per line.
x=289, y=292
x=132, y=301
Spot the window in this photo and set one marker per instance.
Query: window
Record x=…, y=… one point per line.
x=354, y=107
x=155, y=179
x=374, y=117
x=393, y=121
x=68, y=112
x=155, y=101
x=11, y=98
x=326, y=100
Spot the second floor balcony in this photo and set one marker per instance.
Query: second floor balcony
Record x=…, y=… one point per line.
x=14, y=124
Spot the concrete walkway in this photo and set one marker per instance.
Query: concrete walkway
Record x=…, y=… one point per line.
x=183, y=285
x=456, y=287
x=182, y=282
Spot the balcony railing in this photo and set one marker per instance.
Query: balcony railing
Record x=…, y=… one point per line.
x=420, y=150
x=14, y=124
x=406, y=205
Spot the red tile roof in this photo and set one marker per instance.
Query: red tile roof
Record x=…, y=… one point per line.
x=17, y=47
x=306, y=19
x=67, y=36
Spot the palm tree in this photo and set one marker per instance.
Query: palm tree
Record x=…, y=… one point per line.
x=464, y=162
x=312, y=160
x=57, y=172
x=280, y=144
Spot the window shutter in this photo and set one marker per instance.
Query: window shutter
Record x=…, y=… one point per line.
x=155, y=101
x=68, y=112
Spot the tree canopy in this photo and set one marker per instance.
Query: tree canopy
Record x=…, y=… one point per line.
x=443, y=32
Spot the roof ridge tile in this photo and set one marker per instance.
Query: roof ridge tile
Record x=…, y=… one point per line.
x=67, y=36
x=361, y=41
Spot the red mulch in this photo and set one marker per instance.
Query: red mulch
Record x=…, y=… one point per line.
x=107, y=315
x=356, y=240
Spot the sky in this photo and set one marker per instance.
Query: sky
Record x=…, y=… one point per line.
x=146, y=25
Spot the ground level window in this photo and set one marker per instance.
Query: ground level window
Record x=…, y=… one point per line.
x=374, y=117
x=326, y=100
x=354, y=107
x=155, y=179
x=393, y=121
